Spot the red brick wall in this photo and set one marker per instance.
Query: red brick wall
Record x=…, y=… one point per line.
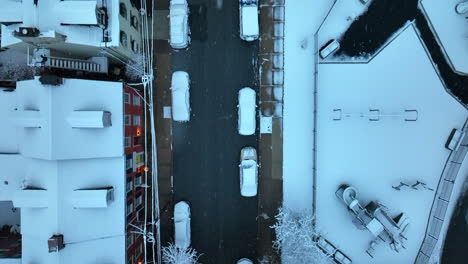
x=134, y=132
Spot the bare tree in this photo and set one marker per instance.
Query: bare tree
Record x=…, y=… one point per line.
x=175, y=255
x=296, y=238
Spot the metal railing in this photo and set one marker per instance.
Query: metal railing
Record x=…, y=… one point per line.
x=441, y=201
x=72, y=64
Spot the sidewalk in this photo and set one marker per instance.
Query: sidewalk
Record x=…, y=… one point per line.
x=162, y=99
x=270, y=60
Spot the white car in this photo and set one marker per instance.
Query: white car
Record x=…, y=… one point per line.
x=248, y=11
x=244, y=261
x=246, y=111
x=248, y=169
x=180, y=87
x=182, y=224
x=179, y=28
x=462, y=7
x=329, y=48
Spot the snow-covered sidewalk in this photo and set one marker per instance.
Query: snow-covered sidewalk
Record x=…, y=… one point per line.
x=303, y=18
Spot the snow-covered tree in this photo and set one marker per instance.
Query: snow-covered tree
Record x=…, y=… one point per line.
x=135, y=68
x=13, y=66
x=175, y=255
x=295, y=238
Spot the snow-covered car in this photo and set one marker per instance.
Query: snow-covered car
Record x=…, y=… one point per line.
x=329, y=48
x=182, y=224
x=244, y=261
x=462, y=7
x=248, y=169
x=248, y=11
x=246, y=111
x=179, y=27
x=455, y=139
x=180, y=87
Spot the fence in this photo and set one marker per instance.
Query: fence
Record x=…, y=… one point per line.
x=442, y=199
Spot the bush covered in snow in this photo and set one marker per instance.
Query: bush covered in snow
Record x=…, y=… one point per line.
x=13, y=66
x=295, y=238
x=175, y=255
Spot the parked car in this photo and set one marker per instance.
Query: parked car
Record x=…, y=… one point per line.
x=180, y=87
x=246, y=111
x=179, y=28
x=248, y=11
x=182, y=224
x=248, y=172
x=244, y=261
x=329, y=48
x=455, y=139
x=462, y=7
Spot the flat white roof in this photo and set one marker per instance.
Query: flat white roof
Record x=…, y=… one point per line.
x=95, y=235
x=56, y=139
x=64, y=17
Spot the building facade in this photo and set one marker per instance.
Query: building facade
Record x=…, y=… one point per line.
x=74, y=35
x=135, y=172
x=74, y=170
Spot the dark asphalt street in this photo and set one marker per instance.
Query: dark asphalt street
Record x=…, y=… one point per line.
x=206, y=149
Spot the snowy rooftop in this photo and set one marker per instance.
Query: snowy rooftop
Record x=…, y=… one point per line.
x=451, y=28
x=44, y=119
x=56, y=161
x=69, y=18
x=96, y=235
x=374, y=155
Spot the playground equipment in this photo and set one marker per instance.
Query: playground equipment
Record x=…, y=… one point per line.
x=374, y=217
x=375, y=115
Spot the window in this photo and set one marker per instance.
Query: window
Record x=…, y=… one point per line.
x=126, y=98
x=123, y=10
x=140, y=159
x=101, y=14
x=129, y=239
x=136, y=120
x=123, y=38
x=129, y=208
x=139, y=200
x=131, y=260
x=128, y=120
x=137, y=142
x=134, y=22
x=134, y=46
x=128, y=164
x=136, y=100
x=138, y=250
x=127, y=142
x=129, y=185
x=138, y=179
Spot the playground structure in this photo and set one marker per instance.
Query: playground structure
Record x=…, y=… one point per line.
x=374, y=217
x=376, y=115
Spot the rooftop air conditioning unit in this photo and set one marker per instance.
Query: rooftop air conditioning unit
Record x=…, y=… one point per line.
x=55, y=243
x=27, y=32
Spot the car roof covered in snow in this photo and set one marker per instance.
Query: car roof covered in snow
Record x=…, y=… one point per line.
x=249, y=20
x=249, y=174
